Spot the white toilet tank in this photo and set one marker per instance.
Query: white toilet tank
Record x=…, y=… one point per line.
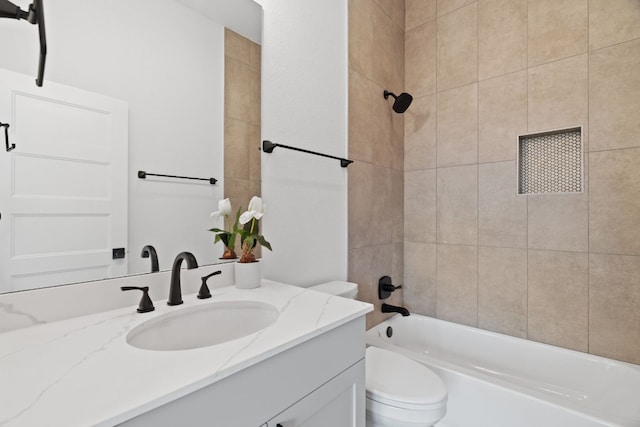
x=337, y=287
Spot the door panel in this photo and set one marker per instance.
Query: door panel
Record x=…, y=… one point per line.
x=337, y=403
x=63, y=190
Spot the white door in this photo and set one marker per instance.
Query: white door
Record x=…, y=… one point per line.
x=63, y=189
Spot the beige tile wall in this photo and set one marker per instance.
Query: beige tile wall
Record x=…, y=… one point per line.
x=560, y=269
x=457, y=46
x=376, y=142
x=241, y=120
x=502, y=290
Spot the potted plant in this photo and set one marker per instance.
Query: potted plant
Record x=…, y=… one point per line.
x=228, y=234
x=247, y=269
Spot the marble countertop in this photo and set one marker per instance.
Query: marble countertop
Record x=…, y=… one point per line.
x=82, y=372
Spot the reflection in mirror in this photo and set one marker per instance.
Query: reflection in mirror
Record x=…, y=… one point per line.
x=162, y=62
x=241, y=122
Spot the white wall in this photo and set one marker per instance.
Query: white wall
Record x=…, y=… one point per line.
x=167, y=62
x=241, y=16
x=304, y=104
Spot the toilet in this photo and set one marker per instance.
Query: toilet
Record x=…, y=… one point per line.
x=400, y=392
x=338, y=288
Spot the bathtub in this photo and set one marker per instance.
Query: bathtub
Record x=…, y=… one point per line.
x=496, y=380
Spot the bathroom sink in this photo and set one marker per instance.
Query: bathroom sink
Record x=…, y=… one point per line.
x=202, y=325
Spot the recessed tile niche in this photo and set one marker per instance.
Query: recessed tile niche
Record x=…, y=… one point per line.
x=550, y=162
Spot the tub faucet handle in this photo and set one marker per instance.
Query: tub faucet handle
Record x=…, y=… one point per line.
x=386, y=287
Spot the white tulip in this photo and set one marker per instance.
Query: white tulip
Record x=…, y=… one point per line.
x=255, y=210
x=224, y=208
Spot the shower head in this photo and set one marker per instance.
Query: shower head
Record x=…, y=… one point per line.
x=401, y=102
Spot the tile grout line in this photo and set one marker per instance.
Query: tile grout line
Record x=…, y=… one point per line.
x=518, y=178
x=489, y=163
x=454, y=10
x=610, y=45
x=436, y=169
x=520, y=248
x=612, y=149
x=585, y=183
x=477, y=163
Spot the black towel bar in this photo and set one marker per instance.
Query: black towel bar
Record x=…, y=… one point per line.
x=143, y=175
x=268, y=146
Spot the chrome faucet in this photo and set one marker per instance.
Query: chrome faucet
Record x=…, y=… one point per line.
x=175, y=291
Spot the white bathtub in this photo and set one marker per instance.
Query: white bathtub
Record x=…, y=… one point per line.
x=495, y=380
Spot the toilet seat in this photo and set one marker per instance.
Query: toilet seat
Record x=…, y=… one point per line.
x=399, y=382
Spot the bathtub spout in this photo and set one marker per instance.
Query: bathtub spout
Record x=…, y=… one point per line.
x=388, y=308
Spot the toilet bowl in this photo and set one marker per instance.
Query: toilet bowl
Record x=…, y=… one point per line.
x=400, y=392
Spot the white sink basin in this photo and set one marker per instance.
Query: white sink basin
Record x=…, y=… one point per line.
x=202, y=325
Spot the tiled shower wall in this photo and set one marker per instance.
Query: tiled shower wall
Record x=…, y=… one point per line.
x=559, y=269
x=376, y=142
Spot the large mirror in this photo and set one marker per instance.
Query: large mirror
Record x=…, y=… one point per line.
x=163, y=63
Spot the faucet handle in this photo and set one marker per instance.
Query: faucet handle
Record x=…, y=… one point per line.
x=204, y=289
x=145, y=305
x=385, y=287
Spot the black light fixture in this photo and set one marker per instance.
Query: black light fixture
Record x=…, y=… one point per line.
x=401, y=102
x=35, y=15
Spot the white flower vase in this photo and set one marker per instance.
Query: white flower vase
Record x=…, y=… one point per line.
x=248, y=275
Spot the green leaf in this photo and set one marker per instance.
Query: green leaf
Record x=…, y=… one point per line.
x=224, y=237
x=235, y=224
x=251, y=241
x=264, y=243
x=217, y=230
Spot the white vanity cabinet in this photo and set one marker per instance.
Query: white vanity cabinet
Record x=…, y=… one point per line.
x=306, y=369
x=319, y=382
x=336, y=403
